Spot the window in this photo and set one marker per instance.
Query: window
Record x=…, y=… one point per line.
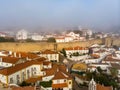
x=50, y=56
x=64, y=80
x=69, y=82
x=58, y=81
x=23, y=76
x=11, y=80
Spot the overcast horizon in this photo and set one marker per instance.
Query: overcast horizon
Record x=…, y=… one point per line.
x=45, y=15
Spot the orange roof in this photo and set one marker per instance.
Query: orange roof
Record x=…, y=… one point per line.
x=8, y=59
x=49, y=52
x=95, y=56
x=13, y=69
x=24, y=88
x=60, y=75
x=33, y=79
x=46, y=63
x=24, y=55
x=62, y=85
x=101, y=87
x=76, y=48
x=50, y=72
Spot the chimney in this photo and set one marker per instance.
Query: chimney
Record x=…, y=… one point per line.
x=27, y=58
x=10, y=52
x=14, y=54
x=19, y=55
x=1, y=59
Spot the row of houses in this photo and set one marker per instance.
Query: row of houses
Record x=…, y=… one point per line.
x=68, y=37
x=17, y=67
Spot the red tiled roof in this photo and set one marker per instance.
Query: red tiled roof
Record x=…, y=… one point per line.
x=49, y=52
x=8, y=59
x=23, y=88
x=62, y=85
x=101, y=87
x=13, y=69
x=33, y=79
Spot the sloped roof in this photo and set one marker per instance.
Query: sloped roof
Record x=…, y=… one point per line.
x=8, y=59
x=60, y=75
x=62, y=85
x=18, y=67
x=101, y=87
x=49, y=52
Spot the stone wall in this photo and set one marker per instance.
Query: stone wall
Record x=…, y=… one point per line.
x=37, y=46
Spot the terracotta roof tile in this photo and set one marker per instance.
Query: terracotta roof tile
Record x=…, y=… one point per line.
x=33, y=79
x=13, y=69
x=8, y=59
x=101, y=87
x=62, y=85
x=49, y=52
x=23, y=88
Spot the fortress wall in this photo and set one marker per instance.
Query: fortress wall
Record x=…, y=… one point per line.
x=37, y=46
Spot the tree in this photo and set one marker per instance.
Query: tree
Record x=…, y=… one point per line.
x=51, y=39
x=114, y=72
x=64, y=52
x=99, y=70
x=29, y=40
x=3, y=39
x=24, y=84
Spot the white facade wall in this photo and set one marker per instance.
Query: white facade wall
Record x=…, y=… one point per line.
x=47, y=78
x=51, y=57
x=37, y=37
x=21, y=35
x=60, y=40
x=3, y=78
x=4, y=64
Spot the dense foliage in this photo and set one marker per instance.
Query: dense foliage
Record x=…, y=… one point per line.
x=2, y=39
x=64, y=52
x=51, y=39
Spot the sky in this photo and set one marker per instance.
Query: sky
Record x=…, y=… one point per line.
x=59, y=14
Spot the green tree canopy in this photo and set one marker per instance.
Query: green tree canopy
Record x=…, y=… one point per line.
x=51, y=39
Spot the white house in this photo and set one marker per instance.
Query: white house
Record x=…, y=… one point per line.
x=61, y=81
x=22, y=35
x=37, y=37
x=21, y=72
x=80, y=50
x=50, y=55
x=73, y=35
